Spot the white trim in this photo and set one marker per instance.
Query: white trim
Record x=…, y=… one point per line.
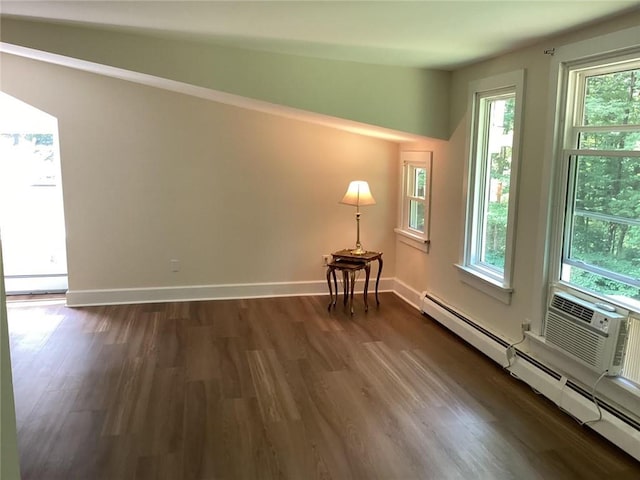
x=418, y=159
x=485, y=88
x=83, y=298
x=408, y=294
x=485, y=284
x=43, y=284
x=610, y=427
x=413, y=240
x=213, y=95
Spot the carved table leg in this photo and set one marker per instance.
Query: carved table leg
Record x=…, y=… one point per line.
x=367, y=271
x=332, y=302
x=352, y=274
x=345, y=285
x=378, y=279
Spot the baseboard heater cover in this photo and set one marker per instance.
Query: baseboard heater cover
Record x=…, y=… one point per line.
x=472, y=332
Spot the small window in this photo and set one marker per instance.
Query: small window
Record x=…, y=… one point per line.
x=417, y=177
x=491, y=179
x=416, y=182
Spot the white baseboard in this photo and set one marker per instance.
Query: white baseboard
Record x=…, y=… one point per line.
x=408, y=294
x=38, y=284
x=83, y=298
x=554, y=387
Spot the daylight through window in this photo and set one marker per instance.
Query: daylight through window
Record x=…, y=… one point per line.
x=416, y=183
x=601, y=157
x=602, y=228
x=492, y=179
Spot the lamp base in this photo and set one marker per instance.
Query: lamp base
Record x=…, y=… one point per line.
x=358, y=251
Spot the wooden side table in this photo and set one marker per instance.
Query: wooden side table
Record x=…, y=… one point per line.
x=349, y=263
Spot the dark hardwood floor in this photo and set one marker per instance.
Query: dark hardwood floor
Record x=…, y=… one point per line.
x=279, y=388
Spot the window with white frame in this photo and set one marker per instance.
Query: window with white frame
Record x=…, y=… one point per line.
x=601, y=248
x=491, y=180
x=599, y=167
x=416, y=186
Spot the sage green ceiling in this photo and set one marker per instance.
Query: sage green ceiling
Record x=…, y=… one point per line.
x=405, y=99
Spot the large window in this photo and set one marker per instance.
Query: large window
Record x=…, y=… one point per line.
x=492, y=179
x=600, y=170
x=601, y=247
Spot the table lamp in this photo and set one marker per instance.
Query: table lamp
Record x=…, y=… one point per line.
x=358, y=194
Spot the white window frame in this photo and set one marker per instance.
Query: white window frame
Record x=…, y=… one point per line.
x=409, y=161
x=488, y=279
x=571, y=85
x=552, y=201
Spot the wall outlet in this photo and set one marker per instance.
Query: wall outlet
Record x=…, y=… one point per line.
x=175, y=265
x=526, y=326
x=326, y=259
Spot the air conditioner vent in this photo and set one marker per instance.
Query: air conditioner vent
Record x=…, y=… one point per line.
x=595, y=337
x=621, y=344
x=571, y=337
x=572, y=308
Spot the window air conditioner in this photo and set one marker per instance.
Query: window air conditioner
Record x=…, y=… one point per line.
x=591, y=332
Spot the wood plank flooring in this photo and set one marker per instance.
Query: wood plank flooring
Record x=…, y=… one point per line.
x=279, y=388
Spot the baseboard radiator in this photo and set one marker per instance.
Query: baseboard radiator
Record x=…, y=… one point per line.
x=616, y=425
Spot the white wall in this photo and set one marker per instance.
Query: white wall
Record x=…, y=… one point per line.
x=239, y=197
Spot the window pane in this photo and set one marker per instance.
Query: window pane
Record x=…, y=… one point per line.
x=498, y=154
x=416, y=215
x=599, y=283
x=418, y=179
x=609, y=245
x=605, y=228
x=496, y=235
x=612, y=99
x=608, y=186
x=609, y=141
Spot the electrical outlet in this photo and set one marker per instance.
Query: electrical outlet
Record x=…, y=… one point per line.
x=526, y=326
x=175, y=265
x=326, y=259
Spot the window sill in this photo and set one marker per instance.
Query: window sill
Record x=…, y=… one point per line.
x=413, y=240
x=485, y=284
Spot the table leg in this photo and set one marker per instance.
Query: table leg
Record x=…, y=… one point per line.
x=331, y=301
x=378, y=279
x=352, y=274
x=367, y=272
x=345, y=285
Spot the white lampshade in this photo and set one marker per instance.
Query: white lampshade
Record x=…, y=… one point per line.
x=358, y=194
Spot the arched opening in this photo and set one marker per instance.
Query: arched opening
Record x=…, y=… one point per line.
x=31, y=208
